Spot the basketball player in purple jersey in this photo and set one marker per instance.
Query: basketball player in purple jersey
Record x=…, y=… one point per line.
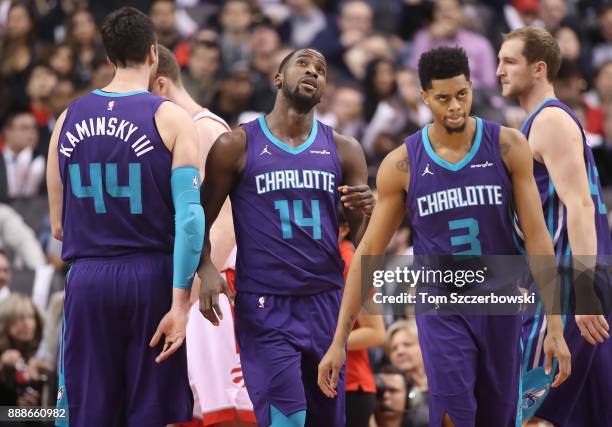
x=570, y=195
x=284, y=173
x=472, y=362
x=122, y=170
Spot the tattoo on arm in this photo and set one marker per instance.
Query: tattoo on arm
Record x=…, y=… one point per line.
x=403, y=165
x=349, y=327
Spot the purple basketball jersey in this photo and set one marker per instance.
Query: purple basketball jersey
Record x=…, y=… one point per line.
x=285, y=214
x=115, y=170
x=460, y=208
x=554, y=211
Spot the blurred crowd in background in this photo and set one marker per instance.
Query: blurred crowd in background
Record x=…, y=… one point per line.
x=229, y=51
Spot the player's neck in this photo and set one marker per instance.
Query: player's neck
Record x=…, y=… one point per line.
x=438, y=135
x=532, y=99
x=290, y=124
x=129, y=79
x=180, y=97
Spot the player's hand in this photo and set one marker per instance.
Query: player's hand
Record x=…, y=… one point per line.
x=556, y=347
x=212, y=285
x=329, y=370
x=358, y=197
x=592, y=324
x=173, y=327
x=593, y=327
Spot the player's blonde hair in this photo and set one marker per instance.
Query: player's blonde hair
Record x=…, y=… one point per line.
x=539, y=45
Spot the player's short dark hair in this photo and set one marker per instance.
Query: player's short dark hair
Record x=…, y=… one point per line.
x=539, y=45
x=127, y=35
x=167, y=66
x=287, y=58
x=442, y=63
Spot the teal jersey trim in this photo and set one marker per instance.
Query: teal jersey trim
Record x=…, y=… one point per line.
x=537, y=110
x=118, y=94
x=287, y=148
x=468, y=157
x=278, y=419
x=551, y=198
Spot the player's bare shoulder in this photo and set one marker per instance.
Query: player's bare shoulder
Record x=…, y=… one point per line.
x=170, y=120
x=554, y=129
x=394, y=171
x=230, y=149
x=510, y=138
x=513, y=148
x=344, y=142
x=347, y=147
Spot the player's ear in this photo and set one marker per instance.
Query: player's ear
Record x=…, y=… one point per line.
x=153, y=54
x=540, y=68
x=278, y=80
x=164, y=85
x=425, y=97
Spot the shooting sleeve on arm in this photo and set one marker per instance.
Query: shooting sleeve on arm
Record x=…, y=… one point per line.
x=189, y=224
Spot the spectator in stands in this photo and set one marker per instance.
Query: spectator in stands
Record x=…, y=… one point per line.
x=47, y=355
x=392, y=398
x=235, y=18
x=234, y=96
x=62, y=93
x=21, y=327
x=17, y=236
x=305, y=24
x=553, y=14
x=40, y=85
x=355, y=23
x=347, y=111
x=521, y=13
x=21, y=173
x=379, y=85
x=102, y=75
x=404, y=352
x=446, y=30
x=6, y=276
x=396, y=117
x=17, y=56
x=569, y=87
x=572, y=49
x=357, y=58
x=163, y=16
x=265, y=42
x=602, y=93
x=200, y=75
x=602, y=52
x=84, y=38
x=354, y=26
x=368, y=332
x=61, y=60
